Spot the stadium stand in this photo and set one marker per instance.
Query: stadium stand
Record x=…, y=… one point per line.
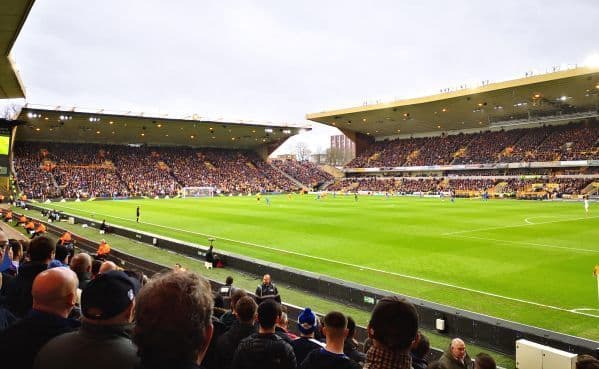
x=307, y=173
x=574, y=141
x=52, y=170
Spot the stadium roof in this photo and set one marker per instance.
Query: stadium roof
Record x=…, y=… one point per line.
x=99, y=126
x=493, y=104
x=12, y=17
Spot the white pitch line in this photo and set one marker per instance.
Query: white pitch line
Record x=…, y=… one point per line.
x=360, y=267
x=527, y=220
x=516, y=226
x=586, y=309
x=544, y=245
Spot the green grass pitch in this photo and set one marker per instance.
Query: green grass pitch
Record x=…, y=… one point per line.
x=525, y=261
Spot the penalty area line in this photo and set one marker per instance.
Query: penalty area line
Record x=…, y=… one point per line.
x=359, y=267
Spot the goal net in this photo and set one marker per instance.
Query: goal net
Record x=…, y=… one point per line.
x=197, y=192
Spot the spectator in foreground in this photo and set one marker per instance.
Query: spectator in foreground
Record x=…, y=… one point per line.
x=350, y=348
x=230, y=317
x=6, y=317
x=6, y=266
x=41, y=253
x=587, y=362
x=173, y=321
x=331, y=356
x=245, y=310
x=96, y=264
x=393, y=328
x=484, y=361
x=420, y=349
x=81, y=264
x=265, y=349
x=61, y=257
x=306, y=325
x=54, y=294
x=456, y=356
x=281, y=324
x=107, y=307
x=436, y=365
x=107, y=266
x=283, y=327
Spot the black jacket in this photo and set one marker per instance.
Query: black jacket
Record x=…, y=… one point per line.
x=6, y=319
x=264, y=351
x=20, y=343
x=351, y=349
x=281, y=333
x=18, y=297
x=267, y=291
x=110, y=346
x=323, y=359
x=418, y=363
x=228, y=342
x=209, y=361
x=303, y=346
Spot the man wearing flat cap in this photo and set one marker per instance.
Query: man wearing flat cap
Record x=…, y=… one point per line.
x=103, y=341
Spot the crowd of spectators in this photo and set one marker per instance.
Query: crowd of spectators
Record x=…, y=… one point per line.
x=80, y=182
x=474, y=185
x=383, y=184
x=304, y=171
x=87, y=170
x=406, y=185
x=573, y=141
x=558, y=186
x=144, y=173
x=440, y=151
x=31, y=175
x=392, y=153
x=486, y=147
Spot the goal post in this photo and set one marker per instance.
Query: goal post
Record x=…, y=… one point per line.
x=206, y=191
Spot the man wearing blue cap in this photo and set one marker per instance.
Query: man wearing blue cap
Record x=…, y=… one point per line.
x=306, y=324
x=103, y=341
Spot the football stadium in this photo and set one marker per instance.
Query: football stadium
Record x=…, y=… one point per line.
x=461, y=230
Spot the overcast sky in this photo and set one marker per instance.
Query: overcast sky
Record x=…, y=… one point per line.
x=276, y=60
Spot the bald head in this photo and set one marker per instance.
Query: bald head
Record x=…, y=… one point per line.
x=458, y=348
x=55, y=291
x=81, y=263
x=107, y=266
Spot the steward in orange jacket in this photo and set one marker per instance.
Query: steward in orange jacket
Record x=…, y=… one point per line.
x=103, y=250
